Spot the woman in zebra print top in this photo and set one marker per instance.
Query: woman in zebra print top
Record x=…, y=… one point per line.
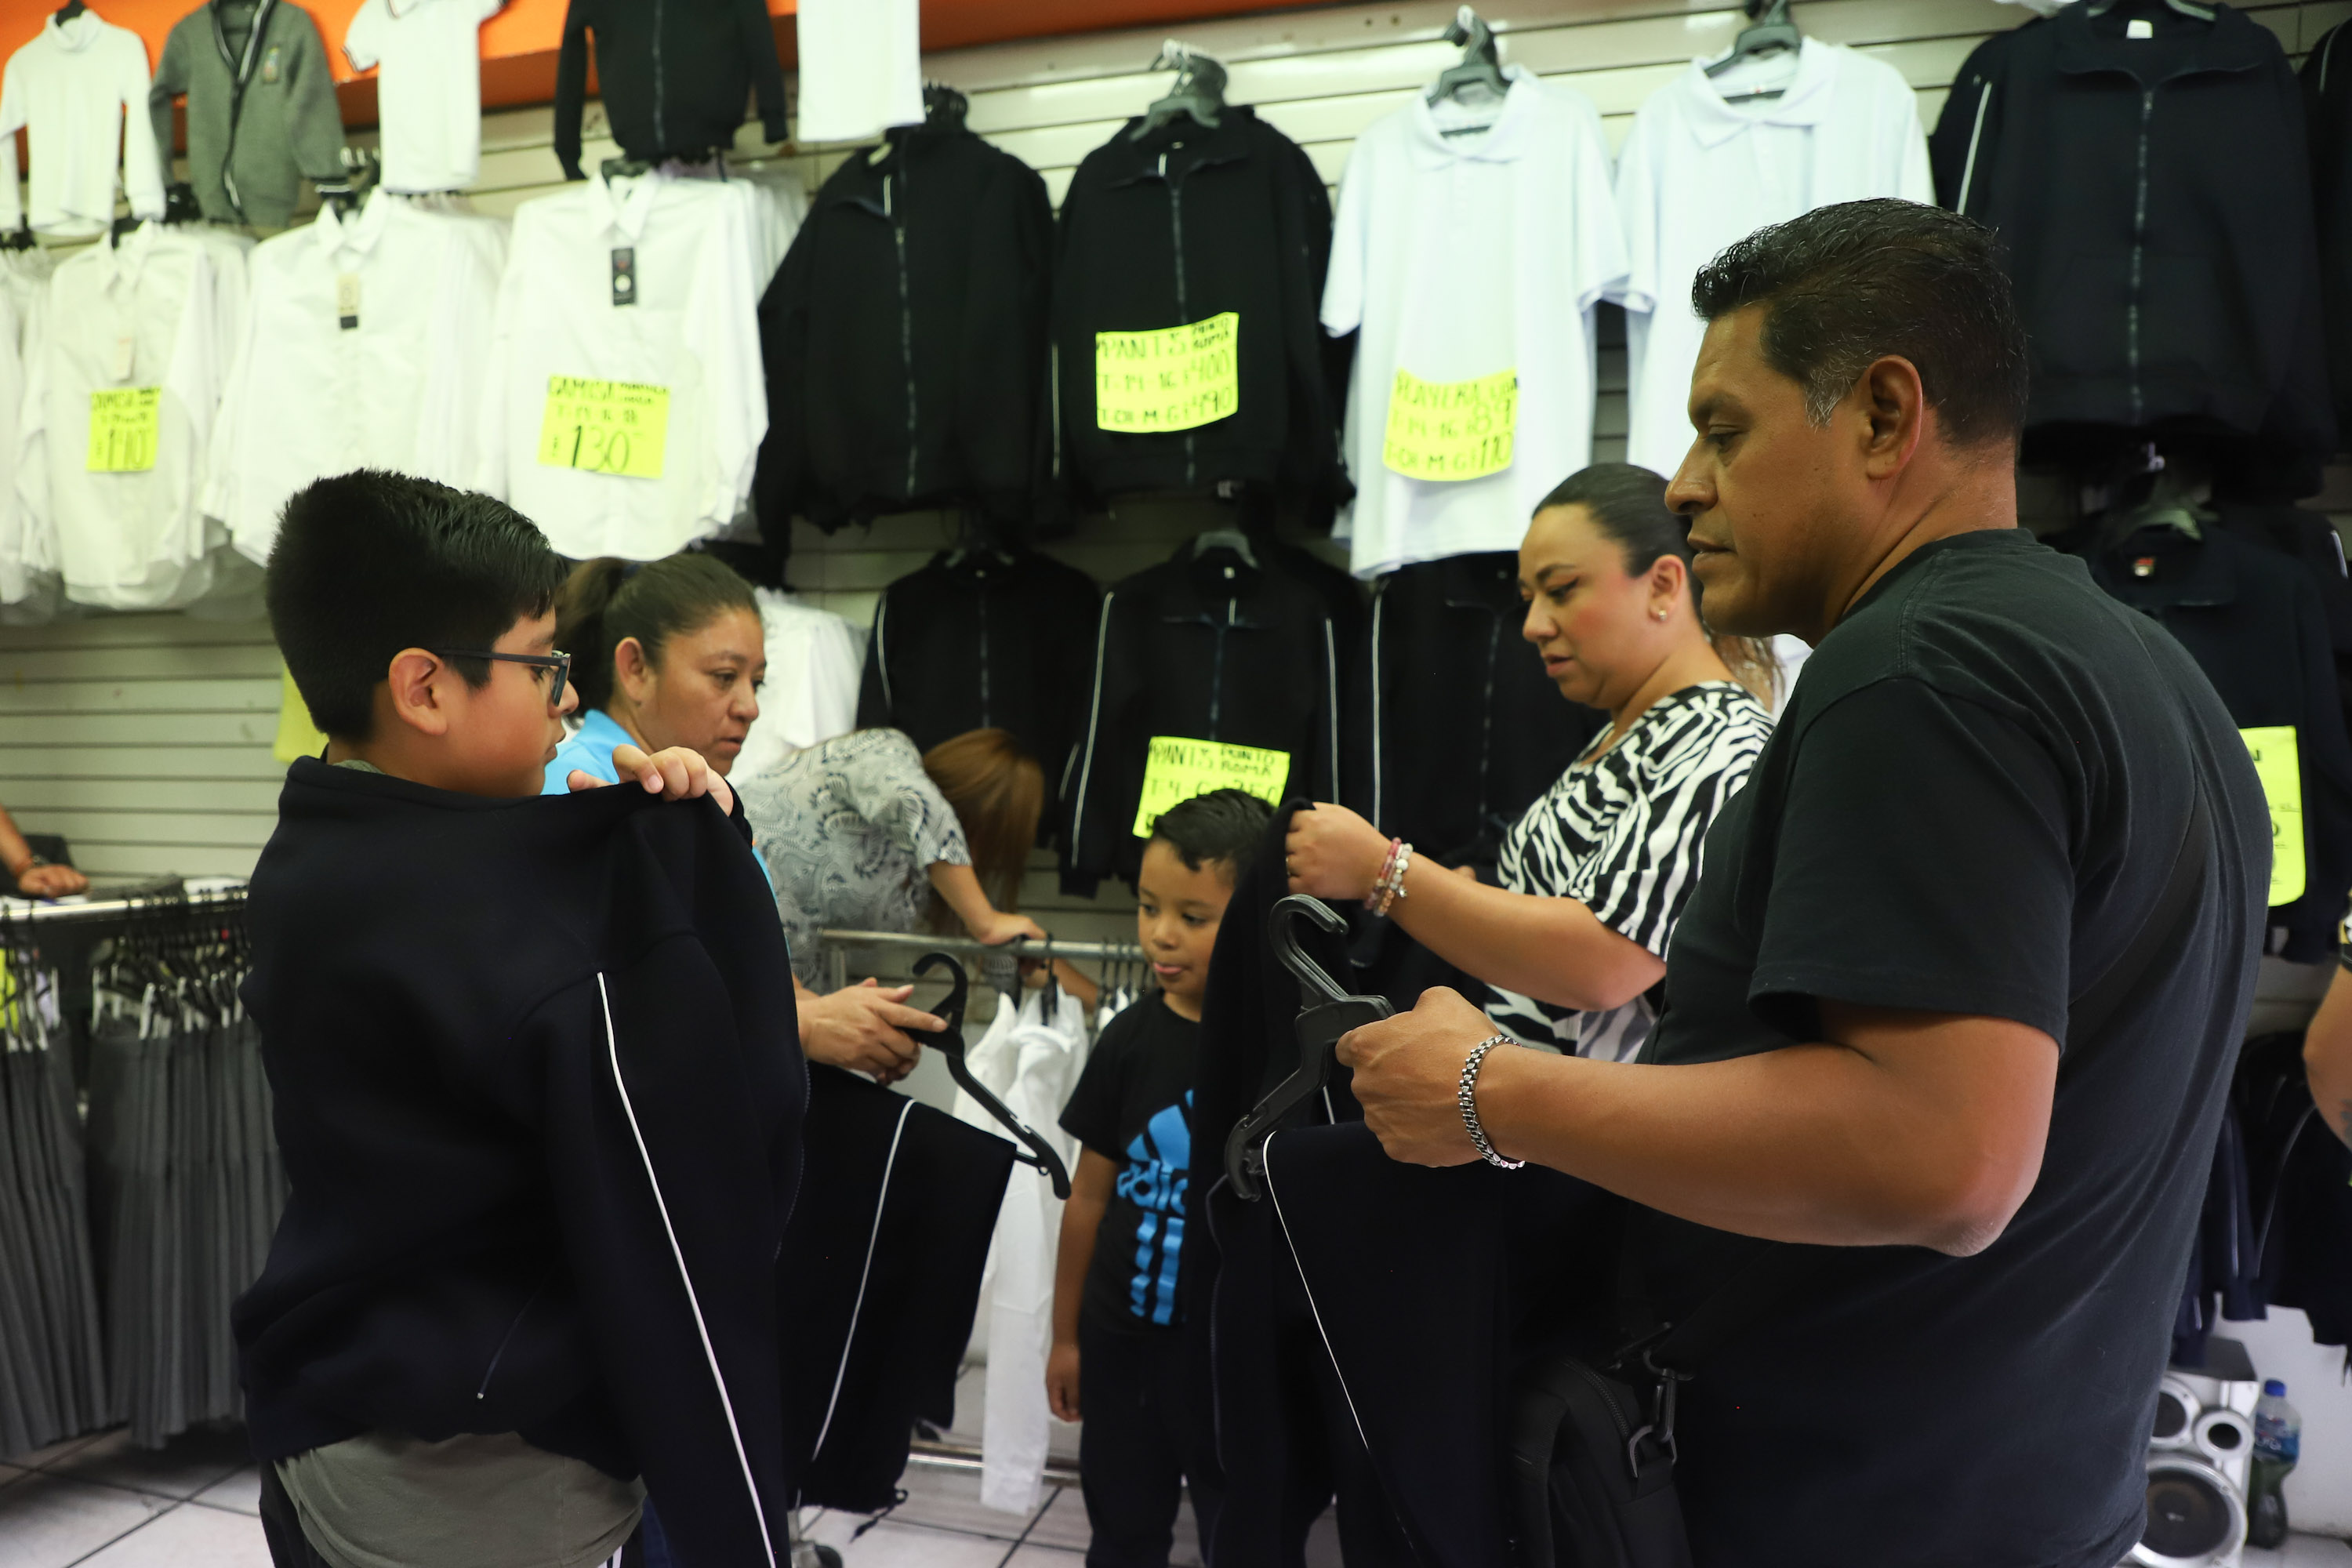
x=1573, y=943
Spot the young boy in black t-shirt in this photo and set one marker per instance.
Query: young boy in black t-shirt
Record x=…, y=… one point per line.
x=1115, y=1286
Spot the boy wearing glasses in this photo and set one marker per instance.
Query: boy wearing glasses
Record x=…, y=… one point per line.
x=537, y=1084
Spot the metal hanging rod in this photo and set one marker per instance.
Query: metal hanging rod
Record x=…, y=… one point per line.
x=12, y=911
x=1104, y=951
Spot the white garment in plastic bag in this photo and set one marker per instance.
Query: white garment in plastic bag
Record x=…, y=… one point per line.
x=1030, y=1060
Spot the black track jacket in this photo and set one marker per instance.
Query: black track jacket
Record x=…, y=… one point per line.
x=1204, y=648
x=2154, y=201
x=905, y=338
x=674, y=74
x=538, y=1088
x=1185, y=225
x=986, y=642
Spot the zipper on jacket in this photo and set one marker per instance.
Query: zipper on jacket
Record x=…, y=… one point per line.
x=661, y=136
x=1486, y=719
x=1218, y=631
x=985, y=721
x=1969, y=169
x=2138, y=256
x=905, y=315
x=1183, y=310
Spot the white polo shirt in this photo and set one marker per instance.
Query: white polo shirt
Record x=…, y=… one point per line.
x=860, y=68
x=406, y=386
x=429, y=91
x=1464, y=257
x=674, y=371
x=67, y=90
x=1698, y=173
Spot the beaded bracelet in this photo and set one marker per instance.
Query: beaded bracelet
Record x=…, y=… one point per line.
x=1389, y=885
x=1469, y=1097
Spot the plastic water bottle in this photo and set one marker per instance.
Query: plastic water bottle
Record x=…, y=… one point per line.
x=2278, y=1444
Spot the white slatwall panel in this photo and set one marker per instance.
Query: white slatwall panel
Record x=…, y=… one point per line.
x=145, y=739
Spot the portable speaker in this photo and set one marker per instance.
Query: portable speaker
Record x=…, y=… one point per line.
x=2199, y=1449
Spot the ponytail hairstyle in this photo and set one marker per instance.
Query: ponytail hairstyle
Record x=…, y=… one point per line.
x=1628, y=504
x=998, y=792
x=607, y=601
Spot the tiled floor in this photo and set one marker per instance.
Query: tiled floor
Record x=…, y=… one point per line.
x=97, y=1502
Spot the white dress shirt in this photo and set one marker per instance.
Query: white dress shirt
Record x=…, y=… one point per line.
x=429, y=92
x=1461, y=257
x=143, y=312
x=67, y=90
x=692, y=330
x=1698, y=173
x=861, y=70
x=406, y=386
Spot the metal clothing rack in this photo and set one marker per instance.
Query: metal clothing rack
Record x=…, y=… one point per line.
x=1021, y=947
x=13, y=911
x=838, y=943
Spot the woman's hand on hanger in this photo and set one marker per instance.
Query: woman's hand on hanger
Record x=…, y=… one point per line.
x=676, y=772
x=997, y=927
x=51, y=881
x=1332, y=853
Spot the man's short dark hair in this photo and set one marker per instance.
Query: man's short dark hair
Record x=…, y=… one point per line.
x=1846, y=285
x=1219, y=829
x=368, y=562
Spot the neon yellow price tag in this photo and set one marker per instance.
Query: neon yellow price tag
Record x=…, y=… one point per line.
x=2279, y=765
x=1173, y=379
x=124, y=425
x=604, y=426
x=1175, y=769
x=296, y=735
x=1451, y=429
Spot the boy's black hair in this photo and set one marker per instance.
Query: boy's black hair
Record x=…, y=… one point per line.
x=368, y=562
x=1219, y=829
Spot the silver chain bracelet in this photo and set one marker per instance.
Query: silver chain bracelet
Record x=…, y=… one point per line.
x=1468, y=1096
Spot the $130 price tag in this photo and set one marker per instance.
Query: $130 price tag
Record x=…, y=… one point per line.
x=604, y=426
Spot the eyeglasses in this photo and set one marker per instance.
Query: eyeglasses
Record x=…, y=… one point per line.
x=561, y=663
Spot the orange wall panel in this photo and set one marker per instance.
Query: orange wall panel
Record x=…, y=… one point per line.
x=519, y=44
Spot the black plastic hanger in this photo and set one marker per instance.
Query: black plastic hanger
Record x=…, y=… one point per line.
x=943, y=105
x=1481, y=67
x=2188, y=8
x=70, y=9
x=2151, y=492
x=1200, y=90
x=978, y=540
x=1768, y=29
x=1324, y=1012
x=948, y=1043
x=1231, y=539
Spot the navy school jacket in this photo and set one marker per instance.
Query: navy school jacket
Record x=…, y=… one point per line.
x=539, y=1088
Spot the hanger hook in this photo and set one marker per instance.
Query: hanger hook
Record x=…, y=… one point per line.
x=953, y=1008
x=1280, y=932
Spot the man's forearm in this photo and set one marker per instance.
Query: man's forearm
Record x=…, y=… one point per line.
x=1813, y=1142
